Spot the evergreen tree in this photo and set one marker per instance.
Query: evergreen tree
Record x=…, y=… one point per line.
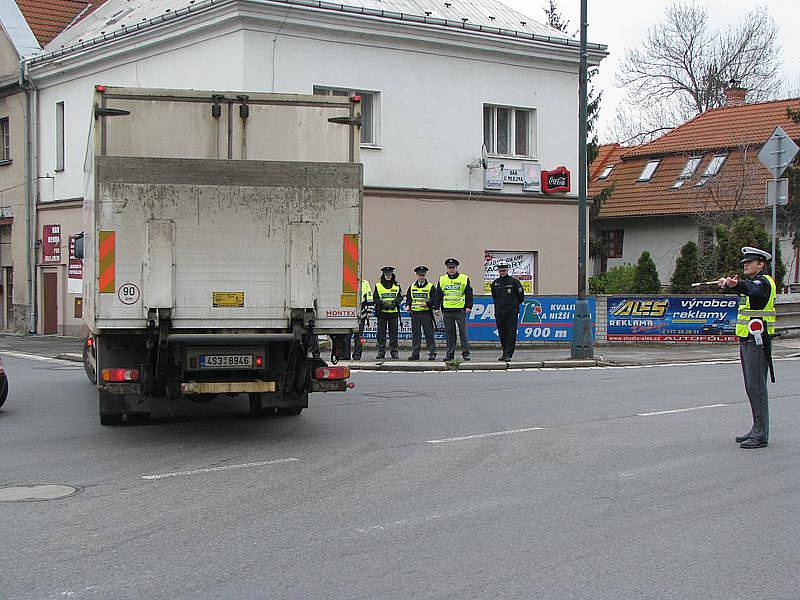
x=687, y=270
x=745, y=231
x=646, y=280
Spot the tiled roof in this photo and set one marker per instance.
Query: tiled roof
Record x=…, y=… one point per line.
x=739, y=184
x=48, y=18
x=726, y=127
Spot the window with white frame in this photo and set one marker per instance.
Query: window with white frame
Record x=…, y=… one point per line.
x=5, y=132
x=369, y=110
x=606, y=172
x=688, y=171
x=712, y=168
x=509, y=131
x=59, y=136
x=649, y=169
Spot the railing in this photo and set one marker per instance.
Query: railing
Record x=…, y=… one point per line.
x=787, y=307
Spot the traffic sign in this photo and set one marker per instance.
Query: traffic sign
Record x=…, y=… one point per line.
x=777, y=152
x=777, y=192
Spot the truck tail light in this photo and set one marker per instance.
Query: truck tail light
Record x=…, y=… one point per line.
x=332, y=373
x=118, y=375
x=259, y=361
x=90, y=342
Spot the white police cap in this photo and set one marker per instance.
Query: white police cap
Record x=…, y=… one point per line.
x=750, y=253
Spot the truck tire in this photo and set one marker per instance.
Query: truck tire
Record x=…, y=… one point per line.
x=87, y=363
x=290, y=412
x=3, y=389
x=110, y=419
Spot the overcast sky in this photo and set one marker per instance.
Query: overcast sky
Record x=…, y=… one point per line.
x=622, y=24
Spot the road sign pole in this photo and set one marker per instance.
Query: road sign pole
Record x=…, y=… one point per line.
x=775, y=210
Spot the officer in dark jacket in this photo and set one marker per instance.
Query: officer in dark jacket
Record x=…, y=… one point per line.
x=387, y=297
x=755, y=324
x=421, y=301
x=507, y=294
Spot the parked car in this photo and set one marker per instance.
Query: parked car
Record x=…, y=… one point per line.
x=3, y=383
x=720, y=327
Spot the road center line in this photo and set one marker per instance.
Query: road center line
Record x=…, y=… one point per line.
x=679, y=410
x=262, y=463
x=476, y=436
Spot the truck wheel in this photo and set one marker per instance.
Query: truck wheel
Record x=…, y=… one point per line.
x=87, y=363
x=256, y=409
x=290, y=412
x=3, y=389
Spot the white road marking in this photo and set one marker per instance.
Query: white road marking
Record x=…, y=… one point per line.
x=34, y=357
x=476, y=436
x=679, y=410
x=262, y=463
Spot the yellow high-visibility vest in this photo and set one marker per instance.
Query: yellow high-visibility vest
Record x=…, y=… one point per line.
x=453, y=291
x=767, y=314
x=366, y=291
x=420, y=296
x=388, y=296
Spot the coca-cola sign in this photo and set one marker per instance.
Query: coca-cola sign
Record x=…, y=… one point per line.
x=556, y=180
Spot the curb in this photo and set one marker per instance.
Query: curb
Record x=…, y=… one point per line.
x=70, y=356
x=472, y=366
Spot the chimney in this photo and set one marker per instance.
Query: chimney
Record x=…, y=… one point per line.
x=735, y=94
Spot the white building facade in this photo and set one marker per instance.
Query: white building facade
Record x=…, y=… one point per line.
x=437, y=98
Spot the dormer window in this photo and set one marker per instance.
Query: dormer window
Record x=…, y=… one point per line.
x=712, y=169
x=649, y=169
x=688, y=171
x=606, y=172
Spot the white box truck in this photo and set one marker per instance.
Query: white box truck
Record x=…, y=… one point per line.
x=221, y=238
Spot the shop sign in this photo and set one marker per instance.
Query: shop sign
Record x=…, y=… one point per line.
x=556, y=180
x=51, y=244
x=522, y=266
x=672, y=319
x=74, y=270
x=493, y=176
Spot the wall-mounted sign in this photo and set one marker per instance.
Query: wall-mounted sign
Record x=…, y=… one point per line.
x=531, y=177
x=556, y=180
x=493, y=176
x=74, y=270
x=51, y=244
x=523, y=267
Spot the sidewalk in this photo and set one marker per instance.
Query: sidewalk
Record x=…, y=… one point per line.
x=69, y=348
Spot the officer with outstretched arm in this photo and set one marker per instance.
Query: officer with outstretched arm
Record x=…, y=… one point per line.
x=755, y=324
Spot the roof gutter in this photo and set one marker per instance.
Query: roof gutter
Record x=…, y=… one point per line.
x=206, y=5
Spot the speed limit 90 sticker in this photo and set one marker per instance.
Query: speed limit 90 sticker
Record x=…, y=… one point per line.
x=128, y=293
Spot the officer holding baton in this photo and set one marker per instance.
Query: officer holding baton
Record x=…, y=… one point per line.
x=755, y=324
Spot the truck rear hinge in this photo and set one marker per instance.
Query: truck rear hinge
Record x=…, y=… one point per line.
x=346, y=120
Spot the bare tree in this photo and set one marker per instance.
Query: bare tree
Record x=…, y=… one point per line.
x=684, y=66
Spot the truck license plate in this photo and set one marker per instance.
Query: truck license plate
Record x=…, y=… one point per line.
x=226, y=361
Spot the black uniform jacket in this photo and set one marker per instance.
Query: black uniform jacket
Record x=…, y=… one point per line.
x=508, y=294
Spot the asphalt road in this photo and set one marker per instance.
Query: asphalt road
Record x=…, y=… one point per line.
x=395, y=490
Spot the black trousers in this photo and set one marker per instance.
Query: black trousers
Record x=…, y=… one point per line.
x=357, y=347
x=390, y=322
x=422, y=321
x=453, y=319
x=507, y=330
x=754, y=369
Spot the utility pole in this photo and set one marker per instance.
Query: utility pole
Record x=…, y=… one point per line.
x=582, y=343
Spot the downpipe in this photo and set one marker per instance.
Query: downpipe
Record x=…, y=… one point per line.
x=31, y=174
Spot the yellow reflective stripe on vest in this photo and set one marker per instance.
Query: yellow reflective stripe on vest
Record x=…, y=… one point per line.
x=767, y=314
x=453, y=291
x=420, y=296
x=388, y=296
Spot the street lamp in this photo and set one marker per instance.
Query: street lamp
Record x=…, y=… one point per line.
x=582, y=343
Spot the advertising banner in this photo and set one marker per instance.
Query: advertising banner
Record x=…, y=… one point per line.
x=542, y=318
x=672, y=319
x=51, y=244
x=523, y=267
x=74, y=270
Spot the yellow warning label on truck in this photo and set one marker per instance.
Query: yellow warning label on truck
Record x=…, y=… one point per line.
x=228, y=299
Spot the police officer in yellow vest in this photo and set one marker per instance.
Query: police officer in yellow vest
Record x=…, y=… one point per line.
x=421, y=301
x=387, y=297
x=363, y=318
x=455, y=298
x=755, y=324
